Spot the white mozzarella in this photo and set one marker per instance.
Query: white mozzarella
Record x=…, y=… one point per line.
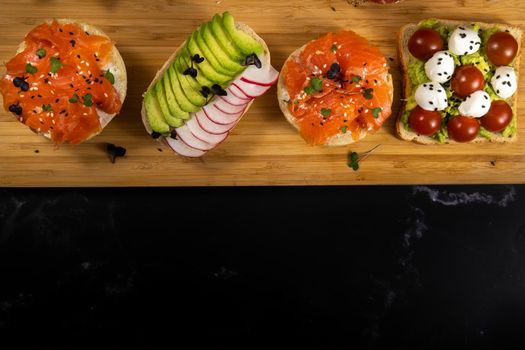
x=440, y=67
x=476, y=105
x=464, y=41
x=431, y=97
x=504, y=82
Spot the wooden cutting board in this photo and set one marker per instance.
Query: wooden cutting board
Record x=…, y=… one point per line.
x=264, y=149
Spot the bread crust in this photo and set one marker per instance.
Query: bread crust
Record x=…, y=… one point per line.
x=405, y=58
x=283, y=97
x=116, y=63
x=169, y=61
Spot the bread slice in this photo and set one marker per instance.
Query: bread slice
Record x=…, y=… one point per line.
x=240, y=26
x=115, y=64
x=405, y=58
x=283, y=98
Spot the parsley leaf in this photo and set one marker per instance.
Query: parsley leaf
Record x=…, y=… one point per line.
x=356, y=79
x=41, y=53
x=344, y=128
x=30, y=68
x=316, y=84
x=326, y=112
x=87, y=100
x=47, y=108
x=74, y=99
x=55, y=64
x=353, y=161
x=110, y=77
x=334, y=48
x=376, y=111
x=367, y=93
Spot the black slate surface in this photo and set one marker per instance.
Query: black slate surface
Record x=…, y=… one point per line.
x=258, y=268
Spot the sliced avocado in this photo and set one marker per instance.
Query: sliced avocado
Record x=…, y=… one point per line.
x=176, y=113
x=189, y=85
x=244, y=42
x=154, y=114
x=225, y=40
x=205, y=67
x=182, y=100
x=198, y=39
x=201, y=79
x=162, y=100
x=222, y=57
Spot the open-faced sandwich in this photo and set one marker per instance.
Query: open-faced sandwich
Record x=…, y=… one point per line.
x=460, y=82
x=336, y=89
x=66, y=82
x=207, y=85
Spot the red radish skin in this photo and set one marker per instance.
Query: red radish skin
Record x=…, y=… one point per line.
x=182, y=149
x=260, y=76
x=219, y=117
x=235, y=91
x=185, y=135
x=209, y=126
x=234, y=101
x=250, y=90
x=228, y=109
x=202, y=134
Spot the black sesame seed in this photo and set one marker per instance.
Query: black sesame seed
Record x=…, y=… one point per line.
x=39, y=95
x=60, y=30
x=508, y=75
x=499, y=76
x=482, y=106
x=56, y=101
x=71, y=86
x=78, y=56
x=431, y=102
x=70, y=33
x=46, y=80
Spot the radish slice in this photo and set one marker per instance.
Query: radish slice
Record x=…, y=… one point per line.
x=234, y=101
x=202, y=134
x=227, y=108
x=266, y=76
x=185, y=135
x=209, y=126
x=182, y=149
x=234, y=91
x=250, y=90
x=219, y=117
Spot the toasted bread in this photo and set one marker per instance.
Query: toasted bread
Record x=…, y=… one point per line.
x=405, y=58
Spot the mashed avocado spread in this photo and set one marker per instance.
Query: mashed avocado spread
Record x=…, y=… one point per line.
x=417, y=75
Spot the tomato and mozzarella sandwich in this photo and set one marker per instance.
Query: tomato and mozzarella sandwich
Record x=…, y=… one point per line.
x=206, y=86
x=460, y=82
x=336, y=89
x=66, y=81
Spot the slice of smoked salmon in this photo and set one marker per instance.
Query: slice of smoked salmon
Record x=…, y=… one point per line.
x=338, y=84
x=64, y=82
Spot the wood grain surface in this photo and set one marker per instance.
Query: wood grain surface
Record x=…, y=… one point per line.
x=264, y=149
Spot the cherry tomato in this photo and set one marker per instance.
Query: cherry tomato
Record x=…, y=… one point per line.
x=466, y=80
x=501, y=48
x=498, y=116
x=424, y=43
x=463, y=128
x=424, y=122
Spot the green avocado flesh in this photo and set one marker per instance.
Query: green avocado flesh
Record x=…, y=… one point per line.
x=417, y=76
x=223, y=49
x=154, y=114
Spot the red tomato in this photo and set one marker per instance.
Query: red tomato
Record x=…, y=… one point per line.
x=424, y=122
x=501, y=48
x=463, y=128
x=498, y=116
x=424, y=43
x=466, y=80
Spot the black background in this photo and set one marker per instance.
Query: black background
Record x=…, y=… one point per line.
x=258, y=268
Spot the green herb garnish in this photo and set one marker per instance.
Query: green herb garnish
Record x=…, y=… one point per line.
x=343, y=129
x=326, y=112
x=41, y=53
x=356, y=79
x=74, y=99
x=334, y=48
x=55, y=64
x=87, y=100
x=296, y=102
x=110, y=77
x=353, y=161
x=316, y=84
x=47, y=108
x=367, y=93
x=376, y=111
x=30, y=68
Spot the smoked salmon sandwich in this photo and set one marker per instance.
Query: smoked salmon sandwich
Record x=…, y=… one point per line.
x=336, y=89
x=66, y=82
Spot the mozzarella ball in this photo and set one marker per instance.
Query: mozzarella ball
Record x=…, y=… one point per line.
x=464, y=41
x=431, y=97
x=475, y=105
x=504, y=82
x=440, y=67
